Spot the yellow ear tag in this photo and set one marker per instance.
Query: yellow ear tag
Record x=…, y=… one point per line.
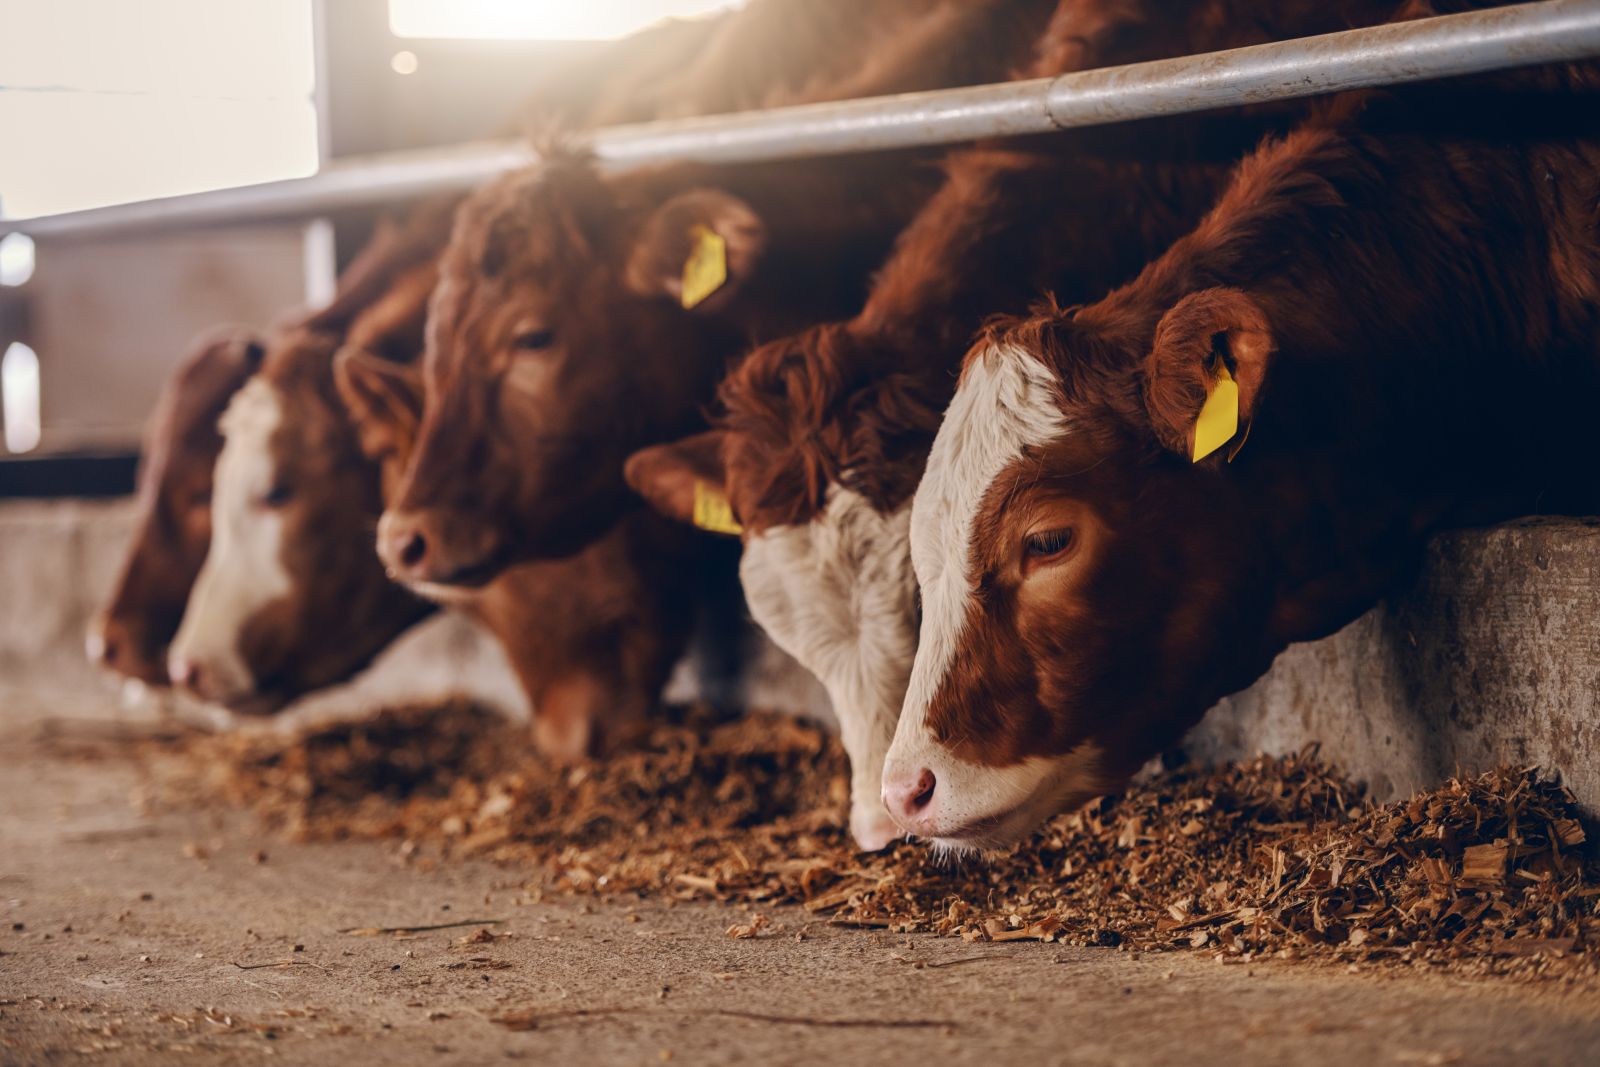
x=712, y=510
x=1219, y=417
x=706, y=269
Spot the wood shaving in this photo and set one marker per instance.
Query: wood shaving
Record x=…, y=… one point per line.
x=1271, y=857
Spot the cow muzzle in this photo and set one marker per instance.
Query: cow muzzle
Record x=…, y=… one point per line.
x=934, y=795
x=418, y=549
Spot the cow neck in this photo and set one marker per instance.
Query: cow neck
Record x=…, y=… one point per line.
x=1421, y=377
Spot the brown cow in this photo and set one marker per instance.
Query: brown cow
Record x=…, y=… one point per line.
x=173, y=508
x=1389, y=322
x=824, y=435
x=591, y=638
x=559, y=342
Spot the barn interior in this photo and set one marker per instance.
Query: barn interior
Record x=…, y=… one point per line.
x=1382, y=847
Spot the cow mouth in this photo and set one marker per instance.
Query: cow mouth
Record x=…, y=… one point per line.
x=986, y=833
x=473, y=575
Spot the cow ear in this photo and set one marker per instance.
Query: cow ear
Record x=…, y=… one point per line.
x=384, y=400
x=678, y=478
x=697, y=248
x=1205, y=372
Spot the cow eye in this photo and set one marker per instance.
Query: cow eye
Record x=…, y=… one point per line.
x=1046, y=545
x=277, y=496
x=534, y=340
x=200, y=500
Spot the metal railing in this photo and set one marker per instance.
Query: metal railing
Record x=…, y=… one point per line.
x=1445, y=46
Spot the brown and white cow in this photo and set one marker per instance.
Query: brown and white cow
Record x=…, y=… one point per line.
x=173, y=525
x=290, y=598
x=285, y=503
x=560, y=341
x=1389, y=322
x=823, y=435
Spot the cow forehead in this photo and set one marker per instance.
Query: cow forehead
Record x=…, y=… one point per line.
x=1006, y=403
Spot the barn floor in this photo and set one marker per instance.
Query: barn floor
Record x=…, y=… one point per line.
x=132, y=938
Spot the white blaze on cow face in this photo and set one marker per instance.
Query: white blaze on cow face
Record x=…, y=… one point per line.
x=1006, y=404
x=244, y=570
x=837, y=594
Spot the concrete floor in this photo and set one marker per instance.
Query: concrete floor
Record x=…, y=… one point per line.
x=124, y=938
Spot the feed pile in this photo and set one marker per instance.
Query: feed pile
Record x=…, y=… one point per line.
x=1273, y=857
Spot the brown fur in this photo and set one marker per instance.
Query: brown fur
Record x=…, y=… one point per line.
x=1408, y=290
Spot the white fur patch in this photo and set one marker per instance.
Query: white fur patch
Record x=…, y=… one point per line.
x=244, y=569
x=838, y=595
x=1007, y=402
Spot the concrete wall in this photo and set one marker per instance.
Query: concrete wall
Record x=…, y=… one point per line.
x=1493, y=655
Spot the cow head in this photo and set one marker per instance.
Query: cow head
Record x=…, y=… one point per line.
x=599, y=663
x=1087, y=589
x=291, y=597
x=818, y=466
x=558, y=343
x=131, y=635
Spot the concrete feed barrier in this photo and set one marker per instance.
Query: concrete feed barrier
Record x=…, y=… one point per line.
x=1491, y=656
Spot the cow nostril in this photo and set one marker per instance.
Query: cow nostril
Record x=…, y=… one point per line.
x=108, y=651
x=923, y=793
x=413, y=548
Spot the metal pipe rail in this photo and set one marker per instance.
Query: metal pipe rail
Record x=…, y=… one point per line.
x=1445, y=46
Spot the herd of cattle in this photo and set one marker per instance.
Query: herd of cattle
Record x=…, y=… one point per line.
x=1035, y=449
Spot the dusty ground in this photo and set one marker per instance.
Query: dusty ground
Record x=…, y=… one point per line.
x=131, y=938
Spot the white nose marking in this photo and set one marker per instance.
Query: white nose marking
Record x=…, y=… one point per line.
x=243, y=570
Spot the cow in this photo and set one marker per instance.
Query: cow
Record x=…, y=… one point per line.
x=1388, y=323
x=592, y=638
x=292, y=597
x=282, y=500
x=563, y=336
x=822, y=436
x=133, y=633
x=172, y=525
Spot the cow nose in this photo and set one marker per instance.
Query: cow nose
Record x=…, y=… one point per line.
x=413, y=548
x=100, y=645
x=402, y=544
x=908, y=796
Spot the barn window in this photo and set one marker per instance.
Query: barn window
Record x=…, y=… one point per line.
x=105, y=102
x=518, y=19
x=19, y=397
